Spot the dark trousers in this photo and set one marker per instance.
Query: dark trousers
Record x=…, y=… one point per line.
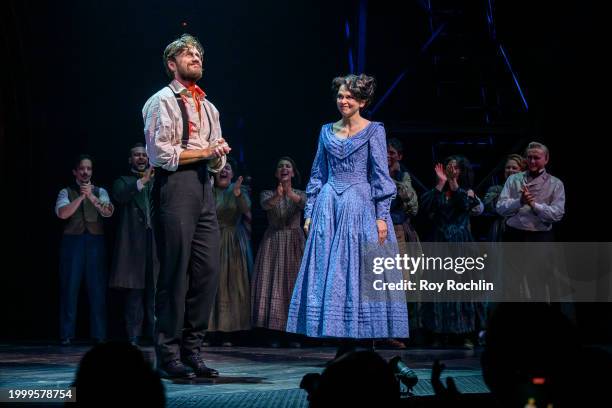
x=187, y=238
x=83, y=256
x=139, y=312
x=140, y=303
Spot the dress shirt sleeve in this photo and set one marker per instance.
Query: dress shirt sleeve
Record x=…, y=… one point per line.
x=105, y=199
x=554, y=211
x=215, y=165
x=159, y=133
x=62, y=200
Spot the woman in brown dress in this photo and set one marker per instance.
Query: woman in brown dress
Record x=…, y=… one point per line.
x=280, y=252
x=232, y=309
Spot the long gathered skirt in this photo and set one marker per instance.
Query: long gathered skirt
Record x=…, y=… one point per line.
x=232, y=308
x=276, y=269
x=333, y=296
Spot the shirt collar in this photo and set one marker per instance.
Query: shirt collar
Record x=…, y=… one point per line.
x=543, y=175
x=180, y=89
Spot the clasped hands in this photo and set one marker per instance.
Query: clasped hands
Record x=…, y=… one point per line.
x=87, y=192
x=527, y=197
x=217, y=149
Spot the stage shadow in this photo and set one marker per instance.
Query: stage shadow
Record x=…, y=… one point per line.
x=263, y=357
x=221, y=380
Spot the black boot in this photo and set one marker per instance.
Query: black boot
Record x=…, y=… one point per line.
x=176, y=369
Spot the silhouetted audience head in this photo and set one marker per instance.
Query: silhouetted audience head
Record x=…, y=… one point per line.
x=116, y=373
x=530, y=352
x=592, y=373
x=360, y=378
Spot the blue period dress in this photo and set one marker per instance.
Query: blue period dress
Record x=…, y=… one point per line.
x=349, y=189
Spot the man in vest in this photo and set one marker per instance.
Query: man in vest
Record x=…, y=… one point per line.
x=82, y=254
x=184, y=145
x=135, y=266
x=533, y=200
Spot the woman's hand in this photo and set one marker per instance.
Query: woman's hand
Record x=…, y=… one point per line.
x=287, y=187
x=381, y=225
x=441, y=174
x=237, y=186
x=307, y=225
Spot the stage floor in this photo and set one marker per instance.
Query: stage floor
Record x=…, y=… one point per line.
x=250, y=377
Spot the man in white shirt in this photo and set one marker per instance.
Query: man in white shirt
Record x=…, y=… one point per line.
x=184, y=144
x=82, y=253
x=532, y=200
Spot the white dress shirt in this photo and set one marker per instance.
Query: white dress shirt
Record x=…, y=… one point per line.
x=549, y=194
x=163, y=127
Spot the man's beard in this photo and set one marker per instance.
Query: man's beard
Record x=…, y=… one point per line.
x=189, y=75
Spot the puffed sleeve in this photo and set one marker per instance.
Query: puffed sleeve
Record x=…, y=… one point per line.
x=382, y=185
x=302, y=201
x=318, y=177
x=264, y=198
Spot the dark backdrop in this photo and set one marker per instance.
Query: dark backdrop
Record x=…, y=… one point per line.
x=76, y=75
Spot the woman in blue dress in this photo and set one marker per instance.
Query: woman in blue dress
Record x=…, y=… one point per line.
x=347, y=214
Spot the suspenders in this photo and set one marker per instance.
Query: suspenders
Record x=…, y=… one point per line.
x=181, y=104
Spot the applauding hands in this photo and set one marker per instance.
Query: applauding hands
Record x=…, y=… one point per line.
x=527, y=197
x=449, y=174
